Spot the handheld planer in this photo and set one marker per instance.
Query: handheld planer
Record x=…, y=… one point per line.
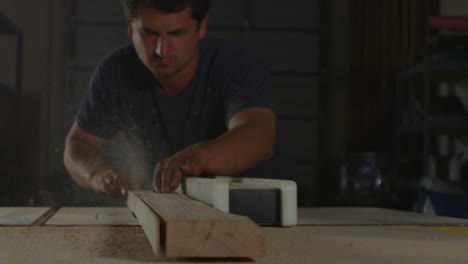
x=265, y=201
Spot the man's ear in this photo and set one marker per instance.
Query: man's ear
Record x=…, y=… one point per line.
x=202, y=28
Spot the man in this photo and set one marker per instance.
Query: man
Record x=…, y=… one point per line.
x=197, y=106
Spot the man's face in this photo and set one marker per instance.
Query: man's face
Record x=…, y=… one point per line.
x=167, y=43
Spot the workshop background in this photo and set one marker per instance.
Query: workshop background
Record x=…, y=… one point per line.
x=352, y=82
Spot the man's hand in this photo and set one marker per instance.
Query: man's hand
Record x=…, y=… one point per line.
x=249, y=140
x=168, y=172
x=111, y=182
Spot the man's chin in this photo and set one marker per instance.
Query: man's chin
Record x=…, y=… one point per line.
x=164, y=72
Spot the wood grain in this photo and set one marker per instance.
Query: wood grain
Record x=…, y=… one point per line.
x=21, y=215
x=193, y=229
x=93, y=216
x=367, y=216
x=295, y=245
x=148, y=219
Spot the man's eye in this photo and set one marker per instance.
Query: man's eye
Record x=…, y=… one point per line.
x=178, y=33
x=147, y=33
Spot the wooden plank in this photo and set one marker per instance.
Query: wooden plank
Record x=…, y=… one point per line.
x=148, y=219
x=21, y=215
x=301, y=244
x=371, y=216
x=365, y=244
x=455, y=230
x=193, y=229
x=74, y=244
x=45, y=217
x=113, y=216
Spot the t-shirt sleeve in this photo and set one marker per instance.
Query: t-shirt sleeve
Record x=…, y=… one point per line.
x=99, y=112
x=246, y=83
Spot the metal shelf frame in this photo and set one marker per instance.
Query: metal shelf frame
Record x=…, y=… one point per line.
x=434, y=67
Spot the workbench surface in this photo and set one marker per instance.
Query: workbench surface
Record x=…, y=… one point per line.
x=352, y=235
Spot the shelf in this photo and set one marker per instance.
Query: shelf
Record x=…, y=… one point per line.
x=445, y=42
x=450, y=66
x=444, y=58
x=440, y=123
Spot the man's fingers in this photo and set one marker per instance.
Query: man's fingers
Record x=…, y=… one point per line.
x=187, y=168
x=169, y=172
x=112, y=186
x=123, y=179
x=167, y=176
x=114, y=182
x=111, y=182
x=158, y=177
x=176, y=177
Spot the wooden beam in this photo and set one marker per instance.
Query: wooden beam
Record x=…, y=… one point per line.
x=112, y=216
x=148, y=219
x=21, y=215
x=193, y=229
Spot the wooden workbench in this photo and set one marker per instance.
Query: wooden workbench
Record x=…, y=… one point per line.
x=324, y=235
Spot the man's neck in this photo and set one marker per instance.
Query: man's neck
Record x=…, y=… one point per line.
x=172, y=86
x=176, y=83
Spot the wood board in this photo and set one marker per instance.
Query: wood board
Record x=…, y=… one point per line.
x=93, y=216
x=149, y=221
x=295, y=245
x=193, y=229
x=21, y=215
x=371, y=216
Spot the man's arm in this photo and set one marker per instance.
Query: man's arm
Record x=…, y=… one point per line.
x=84, y=160
x=249, y=140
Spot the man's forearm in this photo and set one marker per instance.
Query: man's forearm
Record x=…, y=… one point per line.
x=81, y=158
x=238, y=149
x=249, y=140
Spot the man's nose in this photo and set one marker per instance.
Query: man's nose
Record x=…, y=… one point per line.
x=161, y=46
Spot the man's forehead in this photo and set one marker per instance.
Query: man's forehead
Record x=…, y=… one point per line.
x=146, y=9
x=154, y=16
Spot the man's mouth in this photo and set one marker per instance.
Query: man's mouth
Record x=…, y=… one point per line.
x=162, y=61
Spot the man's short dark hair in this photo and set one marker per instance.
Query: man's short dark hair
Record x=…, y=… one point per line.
x=199, y=7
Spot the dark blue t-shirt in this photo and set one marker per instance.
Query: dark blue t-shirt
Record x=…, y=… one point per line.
x=123, y=97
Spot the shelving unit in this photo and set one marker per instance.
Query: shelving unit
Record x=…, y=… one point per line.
x=10, y=116
x=423, y=120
